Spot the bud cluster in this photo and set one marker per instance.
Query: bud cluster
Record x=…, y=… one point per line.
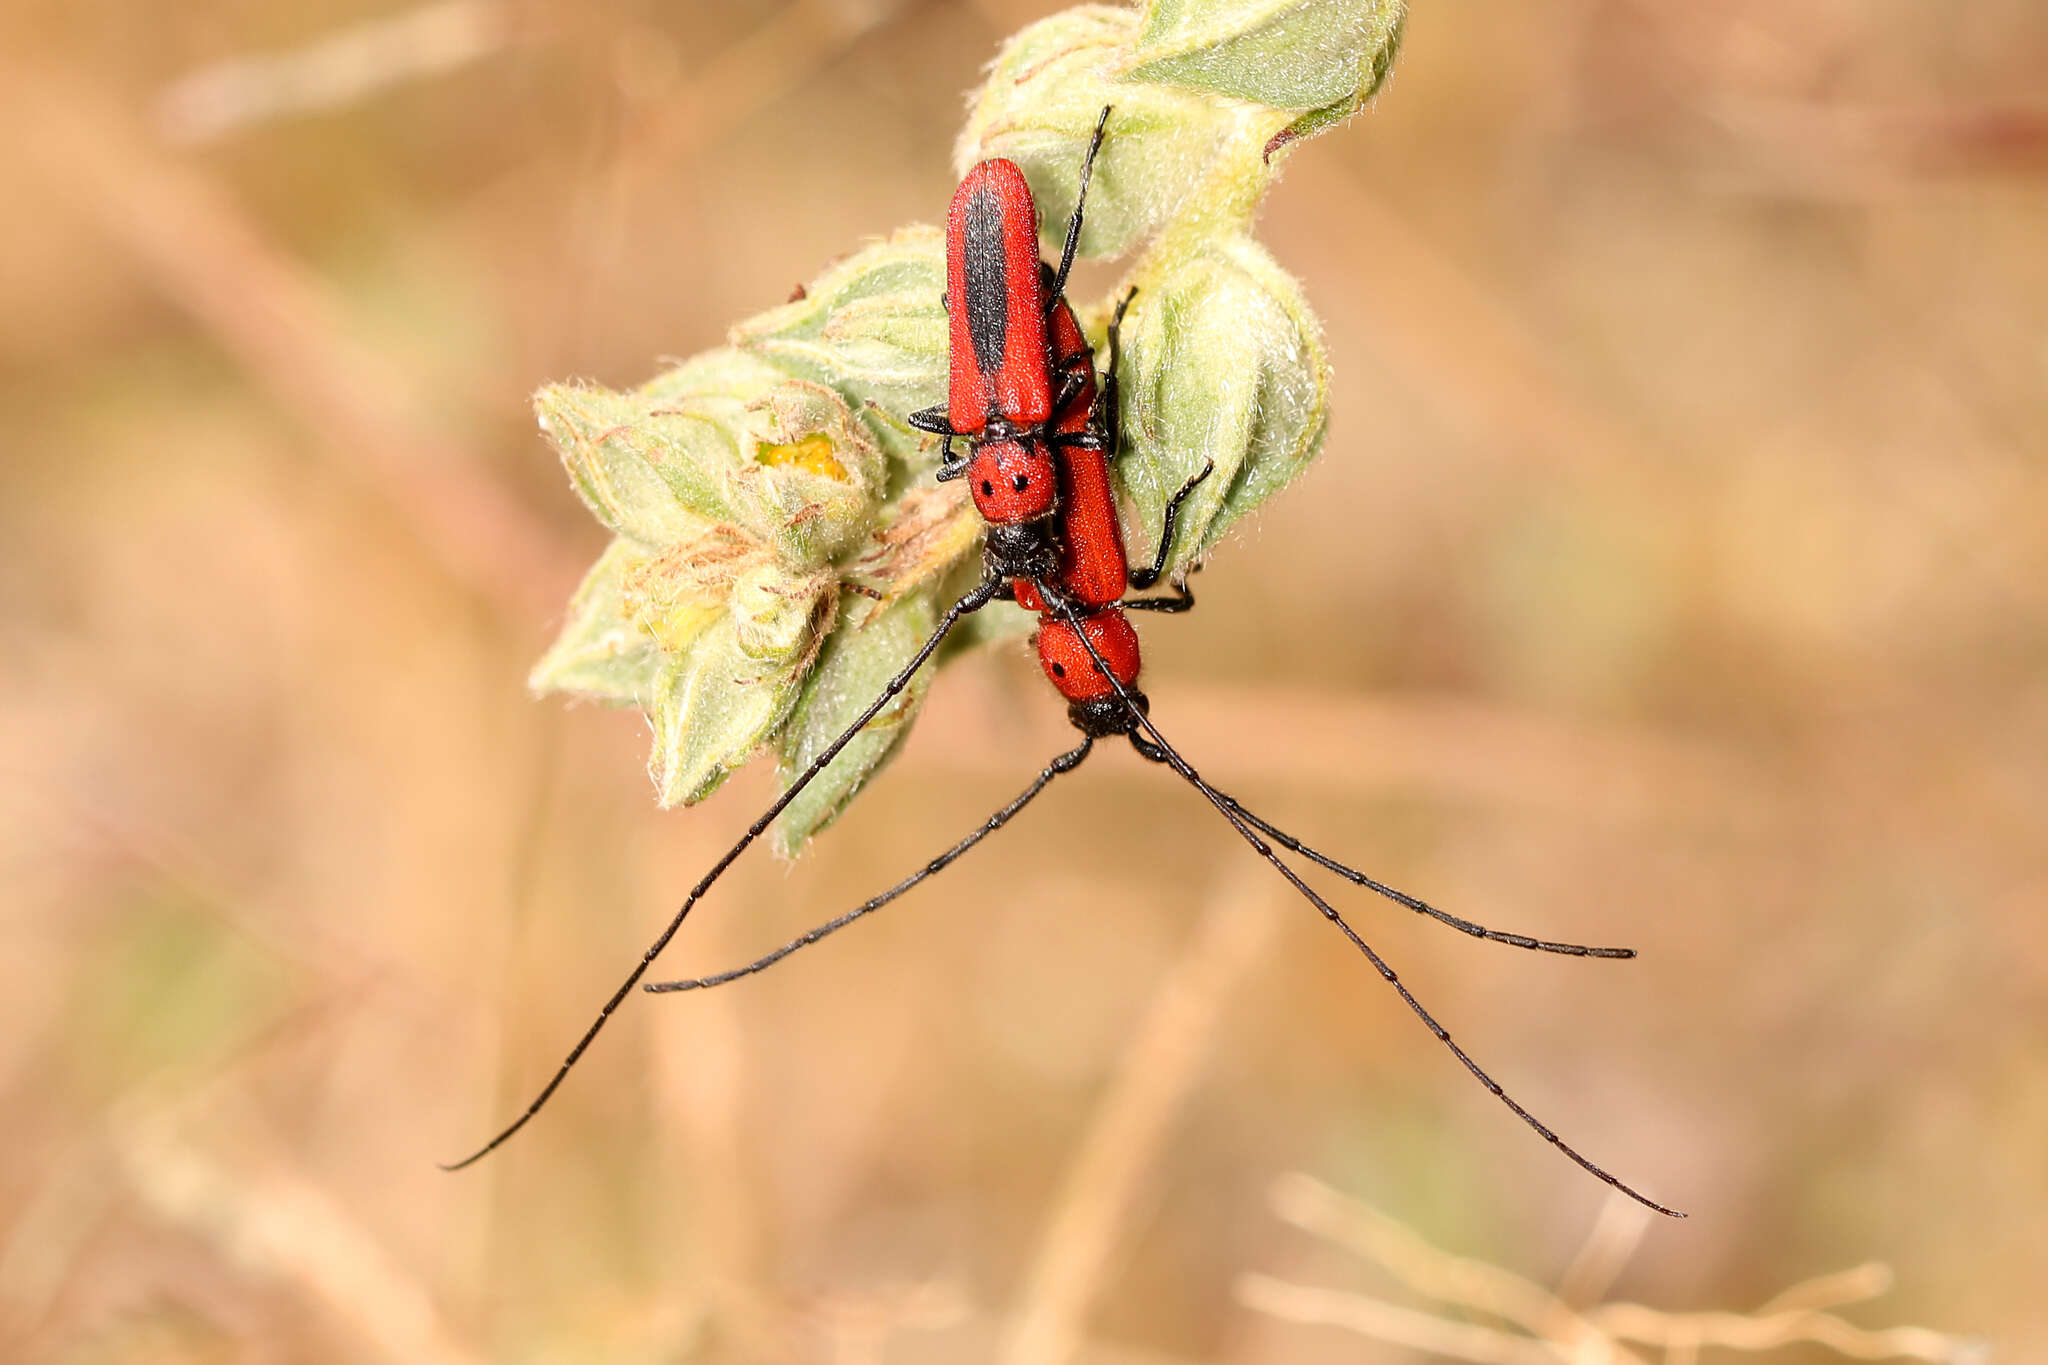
x=781, y=546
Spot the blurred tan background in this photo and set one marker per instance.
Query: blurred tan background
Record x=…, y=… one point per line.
x=1676, y=574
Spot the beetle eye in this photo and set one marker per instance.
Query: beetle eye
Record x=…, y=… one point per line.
x=1022, y=482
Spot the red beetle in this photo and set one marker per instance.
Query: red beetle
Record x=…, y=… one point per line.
x=999, y=363
x=1021, y=383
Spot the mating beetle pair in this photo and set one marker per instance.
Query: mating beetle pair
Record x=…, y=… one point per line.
x=1023, y=394
x=1040, y=430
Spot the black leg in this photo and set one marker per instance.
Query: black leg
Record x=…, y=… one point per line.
x=1078, y=362
x=1071, y=384
x=1183, y=599
x=975, y=600
x=1156, y=748
x=1059, y=279
x=1145, y=578
x=1110, y=406
x=1110, y=425
x=1065, y=763
x=934, y=420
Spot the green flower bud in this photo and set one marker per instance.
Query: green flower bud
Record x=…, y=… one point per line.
x=813, y=480
x=655, y=483
x=772, y=613
x=733, y=489
x=720, y=699
x=1222, y=361
x=730, y=441
x=1163, y=149
x=1287, y=54
x=676, y=595
x=872, y=327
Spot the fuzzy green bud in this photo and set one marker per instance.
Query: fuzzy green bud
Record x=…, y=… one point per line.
x=733, y=489
x=719, y=699
x=1223, y=362
x=1039, y=108
x=1203, y=93
x=1287, y=54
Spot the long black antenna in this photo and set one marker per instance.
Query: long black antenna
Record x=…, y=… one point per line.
x=1399, y=897
x=1160, y=751
x=1065, y=763
x=1059, y=279
x=973, y=601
